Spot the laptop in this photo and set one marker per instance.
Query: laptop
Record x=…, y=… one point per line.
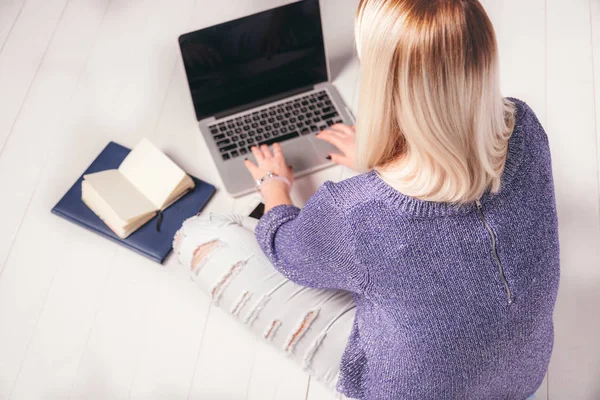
x=259, y=80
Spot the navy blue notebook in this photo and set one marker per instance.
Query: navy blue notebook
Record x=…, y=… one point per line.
x=146, y=240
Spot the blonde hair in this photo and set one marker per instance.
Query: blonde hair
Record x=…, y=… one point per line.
x=431, y=116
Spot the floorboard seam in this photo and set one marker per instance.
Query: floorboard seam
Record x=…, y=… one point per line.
x=199, y=350
x=13, y=25
x=594, y=87
x=33, y=80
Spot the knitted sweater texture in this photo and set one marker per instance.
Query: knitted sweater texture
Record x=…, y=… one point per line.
x=453, y=302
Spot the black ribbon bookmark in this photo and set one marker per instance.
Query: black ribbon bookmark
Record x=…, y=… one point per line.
x=159, y=216
x=159, y=220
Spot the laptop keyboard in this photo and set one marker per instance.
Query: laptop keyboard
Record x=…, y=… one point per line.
x=302, y=116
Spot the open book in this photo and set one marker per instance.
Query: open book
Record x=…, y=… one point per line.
x=146, y=182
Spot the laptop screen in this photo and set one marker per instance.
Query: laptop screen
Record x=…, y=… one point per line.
x=252, y=58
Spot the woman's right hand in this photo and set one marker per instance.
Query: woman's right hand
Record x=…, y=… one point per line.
x=343, y=137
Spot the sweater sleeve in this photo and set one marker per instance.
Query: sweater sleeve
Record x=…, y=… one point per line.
x=312, y=247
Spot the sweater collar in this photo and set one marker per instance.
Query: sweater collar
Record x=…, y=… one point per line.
x=429, y=209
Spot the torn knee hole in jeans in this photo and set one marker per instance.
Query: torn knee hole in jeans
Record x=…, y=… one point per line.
x=223, y=283
x=271, y=329
x=203, y=253
x=300, y=330
x=310, y=353
x=240, y=302
x=258, y=307
x=179, y=236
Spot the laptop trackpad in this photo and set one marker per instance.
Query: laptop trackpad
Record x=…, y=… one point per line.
x=301, y=155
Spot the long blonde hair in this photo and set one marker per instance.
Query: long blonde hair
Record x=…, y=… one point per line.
x=431, y=117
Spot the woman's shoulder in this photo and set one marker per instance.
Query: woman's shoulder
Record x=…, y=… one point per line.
x=525, y=117
x=528, y=131
x=352, y=192
x=528, y=146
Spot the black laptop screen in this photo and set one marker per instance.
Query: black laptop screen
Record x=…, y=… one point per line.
x=253, y=58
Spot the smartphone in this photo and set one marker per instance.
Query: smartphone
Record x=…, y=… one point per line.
x=258, y=211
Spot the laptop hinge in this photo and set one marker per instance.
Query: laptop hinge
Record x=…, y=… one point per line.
x=264, y=101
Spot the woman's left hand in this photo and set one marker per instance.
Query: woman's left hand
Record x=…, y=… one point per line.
x=269, y=162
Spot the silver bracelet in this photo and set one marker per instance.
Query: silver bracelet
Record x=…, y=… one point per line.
x=272, y=176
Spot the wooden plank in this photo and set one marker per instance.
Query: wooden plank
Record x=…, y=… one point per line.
x=9, y=14
x=35, y=129
x=338, y=31
x=575, y=364
x=26, y=278
x=21, y=56
x=521, y=33
x=542, y=392
x=174, y=332
x=110, y=100
x=595, y=13
x=107, y=364
x=318, y=391
x=275, y=377
x=225, y=359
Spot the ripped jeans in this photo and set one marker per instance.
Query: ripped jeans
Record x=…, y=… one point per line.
x=311, y=326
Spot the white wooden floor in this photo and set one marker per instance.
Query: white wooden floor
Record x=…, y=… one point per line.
x=81, y=317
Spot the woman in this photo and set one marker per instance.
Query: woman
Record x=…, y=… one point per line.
x=447, y=245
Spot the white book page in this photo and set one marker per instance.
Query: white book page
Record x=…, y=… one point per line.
x=152, y=172
x=119, y=194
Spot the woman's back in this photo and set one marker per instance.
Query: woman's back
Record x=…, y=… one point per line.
x=445, y=304
x=454, y=302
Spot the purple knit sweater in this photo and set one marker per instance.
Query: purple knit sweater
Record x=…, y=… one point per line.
x=453, y=302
